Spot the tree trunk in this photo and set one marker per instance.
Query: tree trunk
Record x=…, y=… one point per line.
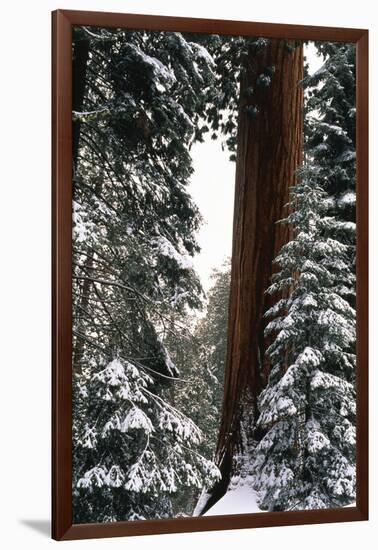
x=269, y=150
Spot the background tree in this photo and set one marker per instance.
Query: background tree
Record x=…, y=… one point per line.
x=202, y=357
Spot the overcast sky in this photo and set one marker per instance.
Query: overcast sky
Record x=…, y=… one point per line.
x=212, y=188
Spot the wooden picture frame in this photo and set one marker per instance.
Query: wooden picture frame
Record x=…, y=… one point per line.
x=62, y=524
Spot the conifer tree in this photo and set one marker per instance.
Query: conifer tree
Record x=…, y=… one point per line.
x=134, y=234
x=330, y=130
x=201, y=356
x=203, y=360
x=306, y=458
x=135, y=448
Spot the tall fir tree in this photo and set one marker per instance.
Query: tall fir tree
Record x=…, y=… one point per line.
x=306, y=458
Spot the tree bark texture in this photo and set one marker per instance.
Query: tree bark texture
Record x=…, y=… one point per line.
x=269, y=151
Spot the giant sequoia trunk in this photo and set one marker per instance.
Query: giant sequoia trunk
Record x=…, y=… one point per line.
x=268, y=153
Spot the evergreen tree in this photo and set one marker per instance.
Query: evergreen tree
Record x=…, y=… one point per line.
x=135, y=448
x=202, y=357
x=213, y=328
x=134, y=233
x=330, y=132
x=306, y=458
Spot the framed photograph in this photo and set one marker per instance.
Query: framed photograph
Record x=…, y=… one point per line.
x=210, y=274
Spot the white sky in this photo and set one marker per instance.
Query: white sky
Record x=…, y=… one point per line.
x=212, y=188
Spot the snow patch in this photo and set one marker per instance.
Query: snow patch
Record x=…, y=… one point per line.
x=239, y=500
x=347, y=199
x=166, y=248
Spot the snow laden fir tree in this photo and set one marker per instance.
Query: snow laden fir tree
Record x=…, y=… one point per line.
x=145, y=448
x=137, y=99
x=306, y=459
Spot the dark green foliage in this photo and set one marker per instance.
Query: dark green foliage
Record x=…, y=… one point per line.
x=331, y=141
x=134, y=234
x=306, y=459
x=231, y=54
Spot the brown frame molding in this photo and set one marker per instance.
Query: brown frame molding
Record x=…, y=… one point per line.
x=62, y=527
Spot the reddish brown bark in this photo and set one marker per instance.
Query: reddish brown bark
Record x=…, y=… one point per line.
x=269, y=150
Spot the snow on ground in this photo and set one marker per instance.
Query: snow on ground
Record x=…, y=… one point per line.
x=241, y=498
x=237, y=501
